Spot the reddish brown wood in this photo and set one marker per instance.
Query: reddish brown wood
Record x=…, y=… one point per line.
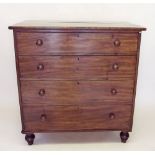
x=18, y=80
x=76, y=78
x=77, y=92
x=135, y=79
x=77, y=67
x=77, y=26
x=76, y=43
x=77, y=117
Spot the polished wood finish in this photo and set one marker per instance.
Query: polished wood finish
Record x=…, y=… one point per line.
x=76, y=76
x=29, y=138
x=77, y=67
x=72, y=43
x=76, y=117
x=67, y=26
x=77, y=92
x=124, y=136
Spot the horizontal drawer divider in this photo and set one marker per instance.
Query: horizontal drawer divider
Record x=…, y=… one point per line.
x=115, y=54
x=92, y=104
x=37, y=79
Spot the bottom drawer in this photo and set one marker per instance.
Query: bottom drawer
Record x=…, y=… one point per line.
x=70, y=118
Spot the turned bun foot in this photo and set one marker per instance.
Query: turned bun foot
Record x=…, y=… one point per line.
x=29, y=138
x=124, y=136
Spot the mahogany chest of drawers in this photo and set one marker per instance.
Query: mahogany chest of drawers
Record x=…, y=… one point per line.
x=76, y=76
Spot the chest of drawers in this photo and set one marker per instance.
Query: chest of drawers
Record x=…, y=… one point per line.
x=76, y=76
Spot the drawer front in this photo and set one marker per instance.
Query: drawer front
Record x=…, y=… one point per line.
x=77, y=67
x=75, y=43
x=76, y=92
x=48, y=118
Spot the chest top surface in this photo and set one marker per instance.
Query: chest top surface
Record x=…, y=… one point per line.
x=47, y=25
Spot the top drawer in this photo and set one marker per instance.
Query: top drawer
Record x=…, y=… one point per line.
x=76, y=43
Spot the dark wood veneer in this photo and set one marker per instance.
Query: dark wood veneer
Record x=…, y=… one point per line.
x=72, y=43
x=77, y=67
x=76, y=76
x=76, y=117
x=77, y=92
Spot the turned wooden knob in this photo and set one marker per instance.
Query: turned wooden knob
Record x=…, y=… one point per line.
x=112, y=116
x=43, y=117
x=39, y=42
x=78, y=82
x=40, y=67
x=117, y=43
x=113, y=91
x=41, y=92
x=115, y=66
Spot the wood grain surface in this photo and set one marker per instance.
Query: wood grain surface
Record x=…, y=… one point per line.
x=76, y=43
x=77, y=67
x=77, y=92
x=76, y=76
x=49, y=118
x=76, y=25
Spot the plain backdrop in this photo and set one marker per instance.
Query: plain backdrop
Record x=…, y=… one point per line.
x=143, y=132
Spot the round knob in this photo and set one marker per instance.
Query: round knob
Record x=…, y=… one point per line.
x=40, y=67
x=43, y=117
x=39, y=42
x=115, y=66
x=113, y=91
x=117, y=43
x=41, y=92
x=112, y=116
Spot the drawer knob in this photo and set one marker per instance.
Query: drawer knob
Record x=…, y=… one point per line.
x=39, y=42
x=112, y=116
x=40, y=67
x=78, y=82
x=41, y=92
x=117, y=43
x=113, y=91
x=43, y=117
x=115, y=66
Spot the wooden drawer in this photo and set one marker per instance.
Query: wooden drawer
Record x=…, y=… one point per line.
x=76, y=43
x=77, y=92
x=59, y=118
x=77, y=67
